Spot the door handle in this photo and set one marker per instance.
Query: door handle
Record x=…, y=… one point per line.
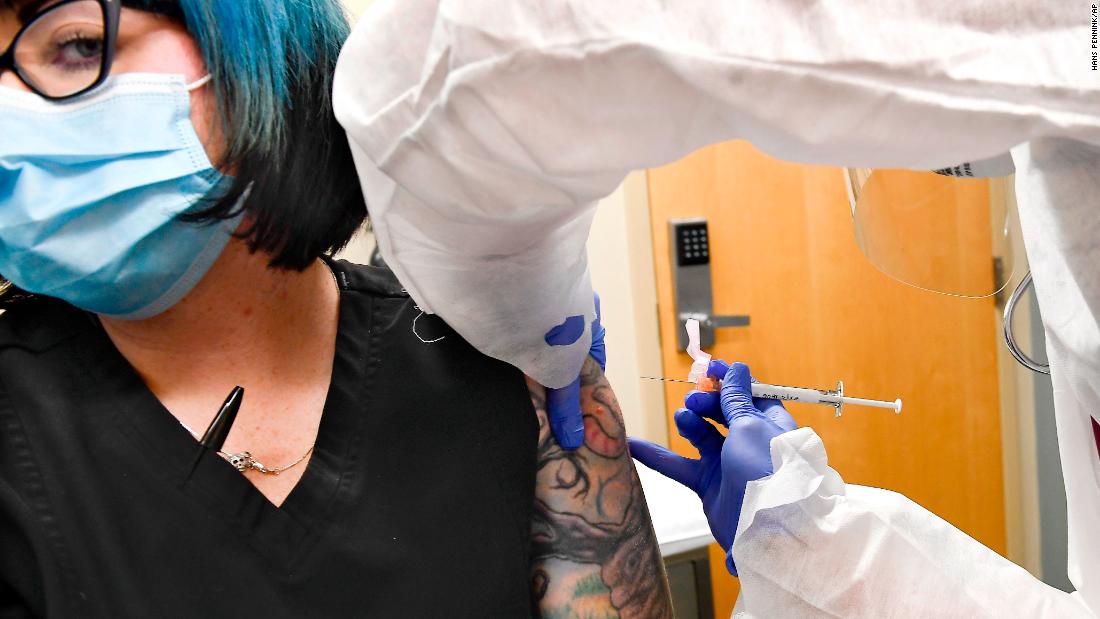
x=707, y=325
x=721, y=322
x=690, y=245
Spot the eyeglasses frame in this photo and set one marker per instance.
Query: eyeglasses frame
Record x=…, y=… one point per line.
x=111, y=12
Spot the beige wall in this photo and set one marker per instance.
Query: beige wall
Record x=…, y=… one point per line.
x=620, y=256
x=360, y=247
x=356, y=7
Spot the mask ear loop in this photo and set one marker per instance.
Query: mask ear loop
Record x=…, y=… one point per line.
x=199, y=83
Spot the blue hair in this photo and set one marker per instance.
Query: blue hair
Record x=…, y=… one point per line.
x=258, y=48
x=272, y=63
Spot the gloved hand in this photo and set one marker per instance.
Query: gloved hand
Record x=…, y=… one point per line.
x=563, y=406
x=726, y=463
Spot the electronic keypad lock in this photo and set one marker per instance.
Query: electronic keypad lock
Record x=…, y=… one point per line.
x=690, y=243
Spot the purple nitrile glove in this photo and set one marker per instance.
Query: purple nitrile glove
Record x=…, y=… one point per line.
x=563, y=406
x=726, y=464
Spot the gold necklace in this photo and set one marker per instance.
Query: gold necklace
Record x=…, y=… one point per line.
x=243, y=461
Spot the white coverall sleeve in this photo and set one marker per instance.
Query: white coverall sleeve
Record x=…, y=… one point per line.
x=809, y=545
x=484, y=131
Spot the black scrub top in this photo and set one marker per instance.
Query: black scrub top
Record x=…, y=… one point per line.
x=416, y=502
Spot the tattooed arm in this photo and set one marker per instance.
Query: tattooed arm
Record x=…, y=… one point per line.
x=594, y=553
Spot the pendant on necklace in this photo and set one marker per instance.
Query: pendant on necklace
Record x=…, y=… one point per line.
x=243, y=461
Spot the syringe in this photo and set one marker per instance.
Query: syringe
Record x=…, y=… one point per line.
x=836, y=399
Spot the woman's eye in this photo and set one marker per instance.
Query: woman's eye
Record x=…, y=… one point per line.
x=62, y=50
x=78, y=53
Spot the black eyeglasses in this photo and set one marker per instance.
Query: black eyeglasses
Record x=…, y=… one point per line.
x=66, y=49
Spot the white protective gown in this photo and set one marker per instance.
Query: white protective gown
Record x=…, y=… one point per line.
x=485, y=131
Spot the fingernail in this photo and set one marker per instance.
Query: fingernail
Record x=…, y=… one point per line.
x=717, y=368
x=694, y=400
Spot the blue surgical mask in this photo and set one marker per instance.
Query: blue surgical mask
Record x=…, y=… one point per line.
x=91, y=191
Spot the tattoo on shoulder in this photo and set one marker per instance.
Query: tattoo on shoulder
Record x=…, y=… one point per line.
x=594, y=551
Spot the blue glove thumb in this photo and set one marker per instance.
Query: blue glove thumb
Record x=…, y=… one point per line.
x=708, y=403
x=563, y=408
x=736, y=397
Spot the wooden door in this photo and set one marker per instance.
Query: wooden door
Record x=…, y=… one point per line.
x=783, y=251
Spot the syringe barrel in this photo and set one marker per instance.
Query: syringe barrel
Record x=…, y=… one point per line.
x=792, y=394
x=799, y=394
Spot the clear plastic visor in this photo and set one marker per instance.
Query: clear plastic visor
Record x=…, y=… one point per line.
x=946, y=234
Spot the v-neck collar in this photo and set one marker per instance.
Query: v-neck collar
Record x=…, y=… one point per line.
x=283, y=534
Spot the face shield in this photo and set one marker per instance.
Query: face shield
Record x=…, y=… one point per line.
x=953, y=231
x=949, y=231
